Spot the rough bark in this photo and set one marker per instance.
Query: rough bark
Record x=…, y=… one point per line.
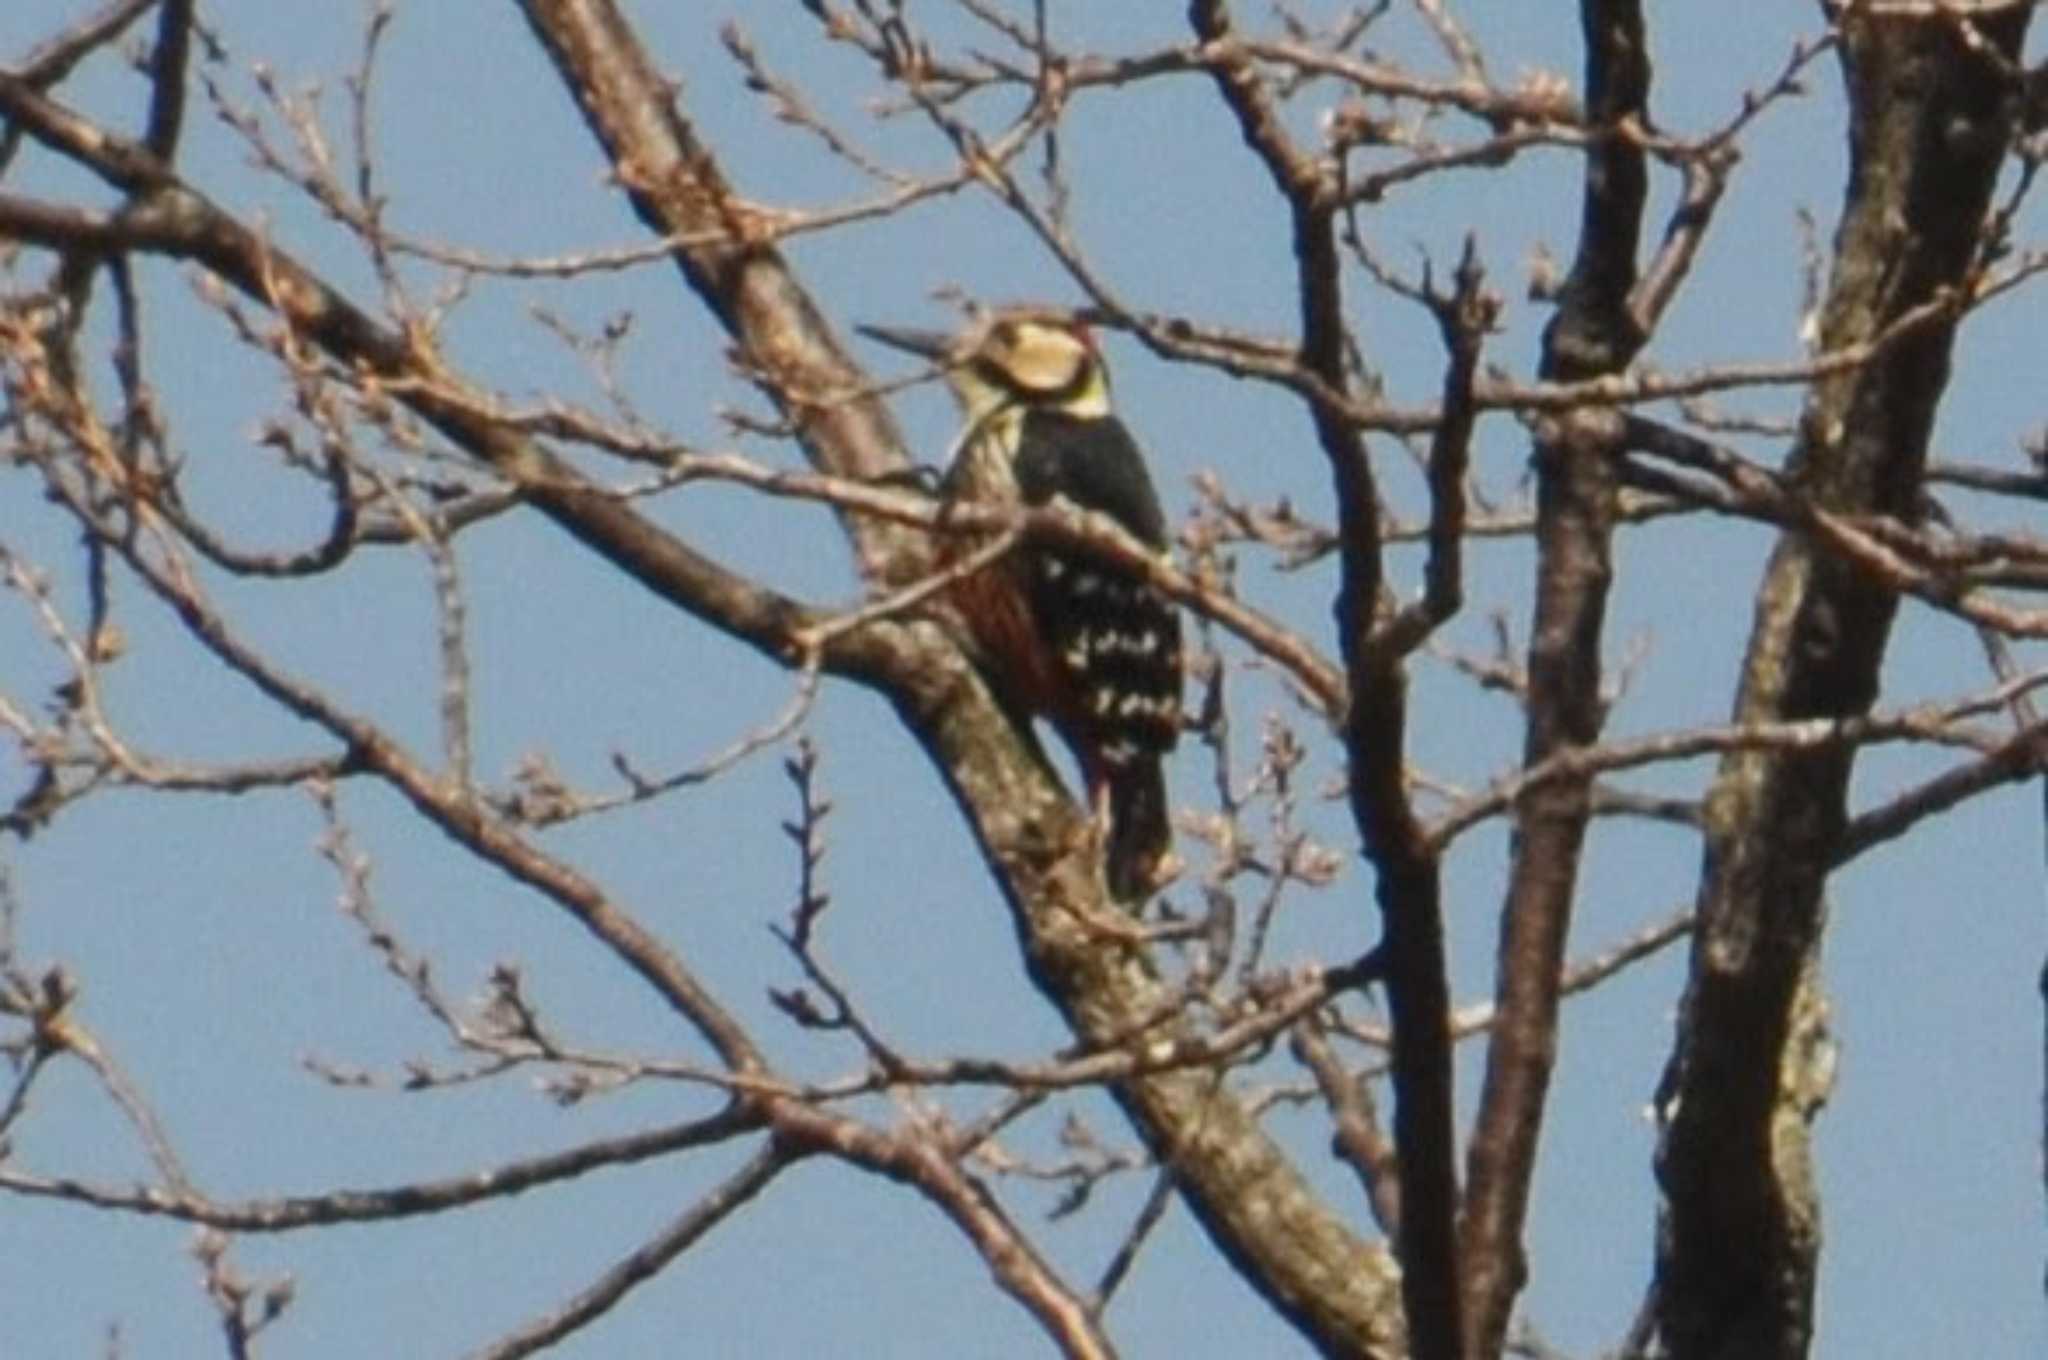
x=1739, y=1233
x=1341, y=1293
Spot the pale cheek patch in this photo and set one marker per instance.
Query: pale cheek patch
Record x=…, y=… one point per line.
x=1046, y=360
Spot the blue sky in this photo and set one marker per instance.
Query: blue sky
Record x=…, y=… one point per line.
x=212, y=960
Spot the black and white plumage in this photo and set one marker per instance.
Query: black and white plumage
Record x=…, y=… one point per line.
x=1066, y=633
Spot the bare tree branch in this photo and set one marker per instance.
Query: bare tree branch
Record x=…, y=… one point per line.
x=1374, y=729
x=293, y=1213
x=645, y=1261
x=1594, y=333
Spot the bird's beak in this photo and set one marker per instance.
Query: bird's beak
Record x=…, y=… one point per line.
x=934, y=345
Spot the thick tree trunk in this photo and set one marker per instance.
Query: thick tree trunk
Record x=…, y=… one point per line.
x=1739, y=1234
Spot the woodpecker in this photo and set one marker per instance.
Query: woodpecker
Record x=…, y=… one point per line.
x=1064, y=633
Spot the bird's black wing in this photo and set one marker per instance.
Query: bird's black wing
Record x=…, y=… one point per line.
x=1116, y=637
x=1094, y=464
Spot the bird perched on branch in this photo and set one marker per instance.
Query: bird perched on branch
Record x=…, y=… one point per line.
x=1063, y=632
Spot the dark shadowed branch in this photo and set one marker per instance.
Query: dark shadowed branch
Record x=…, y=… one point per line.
x=1739, y=1237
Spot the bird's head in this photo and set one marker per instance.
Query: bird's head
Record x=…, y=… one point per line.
x=1030, y=358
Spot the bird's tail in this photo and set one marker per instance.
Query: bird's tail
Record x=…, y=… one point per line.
x=1140, y=836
